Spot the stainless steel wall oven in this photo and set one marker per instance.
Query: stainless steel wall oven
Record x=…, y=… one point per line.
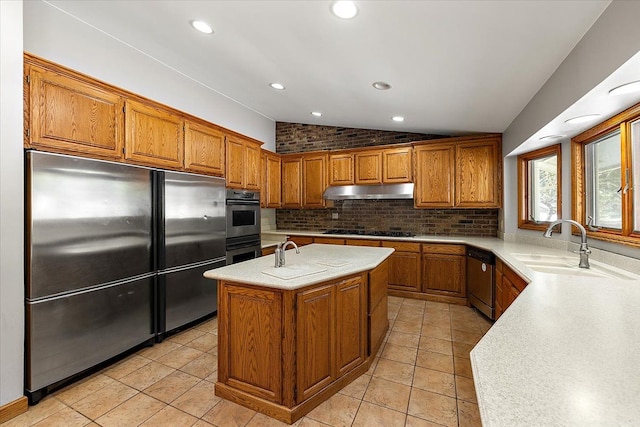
x=243, y=225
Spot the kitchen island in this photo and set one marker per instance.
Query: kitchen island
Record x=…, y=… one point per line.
x=291, y=337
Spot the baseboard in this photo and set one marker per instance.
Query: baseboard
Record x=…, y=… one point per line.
x=13, y=409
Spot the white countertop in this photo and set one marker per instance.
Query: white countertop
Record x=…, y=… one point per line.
x=332, y=261
x=565, y=353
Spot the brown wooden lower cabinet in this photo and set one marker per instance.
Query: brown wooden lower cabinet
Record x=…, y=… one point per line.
x=268, y=250
x=508, y=286
x=328, y=240
x=301, y=240
x=283, y=352
x=404, y=266
x=444, y=272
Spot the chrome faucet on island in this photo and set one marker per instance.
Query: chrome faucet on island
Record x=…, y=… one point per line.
x=282, y=246
x=584, y=250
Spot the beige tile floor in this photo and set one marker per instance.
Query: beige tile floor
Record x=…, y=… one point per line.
x=421, y=377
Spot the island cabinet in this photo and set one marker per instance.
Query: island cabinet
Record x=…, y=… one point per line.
x=508, y=286
x=71, y=115
x=153, y=135
x=282, y=352
x=243, y=163
x=460, y=172
x=404, y=266
x=444, y=272
x=271, y=189
x=204, y=149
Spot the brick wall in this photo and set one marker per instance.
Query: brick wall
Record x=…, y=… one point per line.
x=297, y=137
x=373, y=215
x=385, y=215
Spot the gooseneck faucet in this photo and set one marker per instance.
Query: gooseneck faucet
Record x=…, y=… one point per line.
x=584, y=250
x=282, y=246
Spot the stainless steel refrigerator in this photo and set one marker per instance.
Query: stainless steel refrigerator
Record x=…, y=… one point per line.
x=115, y=255
x=191, y=240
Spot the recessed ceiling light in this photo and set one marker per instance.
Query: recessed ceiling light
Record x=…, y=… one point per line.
x=582, y=119
x=316, y=113
x=381, y=85
x=626, y=88
x=202, y=26
x=344, y=9
x=278, y=86
x=397, y=118
x=551, y=137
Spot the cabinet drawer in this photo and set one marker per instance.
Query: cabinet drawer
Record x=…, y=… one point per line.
x=444, y=249
x=402, y=246
x=301, y=240
x=362, y=242
x=328, y=240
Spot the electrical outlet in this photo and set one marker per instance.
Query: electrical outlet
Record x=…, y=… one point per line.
x=334, y=215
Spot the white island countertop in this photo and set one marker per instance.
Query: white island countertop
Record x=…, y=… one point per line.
x=315, y=263
x=565, y=353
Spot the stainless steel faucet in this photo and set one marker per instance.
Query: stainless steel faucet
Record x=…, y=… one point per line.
x=584, y=250
x=282, y=246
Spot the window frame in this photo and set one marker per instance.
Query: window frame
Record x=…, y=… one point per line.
x=524, y=218
x=622, y=122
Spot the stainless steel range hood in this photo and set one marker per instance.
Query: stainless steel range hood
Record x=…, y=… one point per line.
x=385, y=191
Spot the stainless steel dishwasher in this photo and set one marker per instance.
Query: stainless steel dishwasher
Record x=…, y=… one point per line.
x=480, y=280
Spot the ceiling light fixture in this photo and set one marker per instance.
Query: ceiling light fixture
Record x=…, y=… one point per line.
x=344, y=9
x=397, y=118
x=202, y=26
x=582, y=119
x=381, y=85
x=626, y=88
x=278, y=86
x=316, y=113
x=551, y=137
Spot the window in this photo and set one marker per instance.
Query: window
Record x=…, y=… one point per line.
x=539, y=188
x=606, y=160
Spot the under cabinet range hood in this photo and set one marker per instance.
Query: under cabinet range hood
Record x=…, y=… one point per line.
x=357, y=192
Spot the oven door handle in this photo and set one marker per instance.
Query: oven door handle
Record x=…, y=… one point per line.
x=242, y=246
x=242, y=202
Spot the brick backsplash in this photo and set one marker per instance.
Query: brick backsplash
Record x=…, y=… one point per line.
x=385, y=215
x=373, y=215
x=298, y=137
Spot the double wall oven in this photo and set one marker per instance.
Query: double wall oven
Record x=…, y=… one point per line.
x=243, y=225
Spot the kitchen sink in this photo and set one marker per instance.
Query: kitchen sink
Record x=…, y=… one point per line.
x=294, y=271
x=568, y=265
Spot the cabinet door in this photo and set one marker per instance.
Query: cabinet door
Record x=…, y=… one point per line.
x=444, y=274
x=351, y=326
x=73, y=116
x=368, y=167
x=153, y=136
x=204, y=149
x=341, y=169
x=251, y=358
x=251, y=169
x=397, y=165
x=272, y=183
x=478, y=174
x=236, y=161
x=434, y=184
x=315, y=346
x=404, y=271
x=314, y=178
x=292, y=182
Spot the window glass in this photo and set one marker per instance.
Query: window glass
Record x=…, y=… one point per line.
x=543, y=188
x=635, y=155
x=603, y=179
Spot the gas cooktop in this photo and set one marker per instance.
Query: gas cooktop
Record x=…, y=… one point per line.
x=392, y=233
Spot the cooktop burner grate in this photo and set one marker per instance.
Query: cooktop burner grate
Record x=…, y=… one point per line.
x=392, y=233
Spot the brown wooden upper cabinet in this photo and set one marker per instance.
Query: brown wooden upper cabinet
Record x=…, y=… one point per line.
x=341, y=169
x=153, y=136
x=243, y=163
x=459, y=172
x=204, y=149
x=292, y=181
x=314, y=178
x=270, y=195
x=372, y=166
x=71, y=115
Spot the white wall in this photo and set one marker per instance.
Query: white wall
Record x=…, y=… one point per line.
x=11, y=204
x=56, y=36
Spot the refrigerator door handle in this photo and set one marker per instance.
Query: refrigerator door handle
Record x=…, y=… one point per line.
x=194, y=265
